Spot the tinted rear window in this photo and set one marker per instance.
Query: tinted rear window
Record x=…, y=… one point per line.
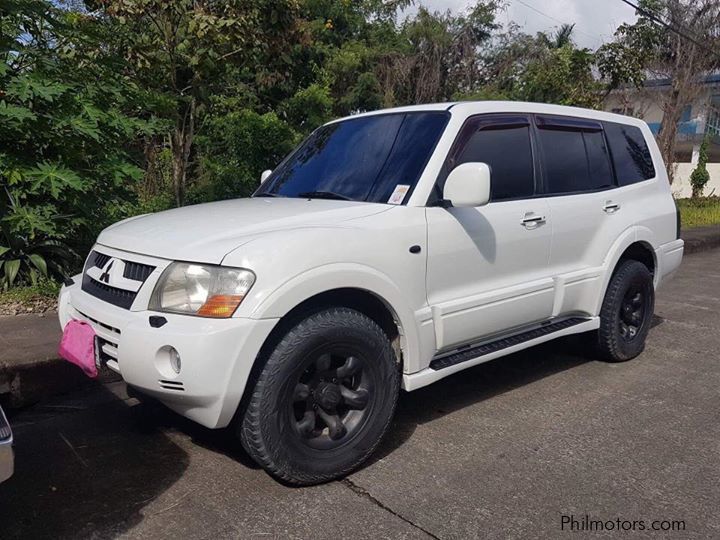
x=630, y=153
x=575, y=161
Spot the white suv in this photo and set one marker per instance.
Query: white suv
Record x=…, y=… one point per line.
x=389, y=250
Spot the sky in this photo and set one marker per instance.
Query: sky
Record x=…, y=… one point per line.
x=595, y=20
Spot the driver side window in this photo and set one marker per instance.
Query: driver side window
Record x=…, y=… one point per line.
x=503, y=142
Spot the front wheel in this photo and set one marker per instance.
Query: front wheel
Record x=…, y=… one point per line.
x=626, y=313
x=324, y=398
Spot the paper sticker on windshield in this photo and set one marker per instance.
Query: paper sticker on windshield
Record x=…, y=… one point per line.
x=399, y=194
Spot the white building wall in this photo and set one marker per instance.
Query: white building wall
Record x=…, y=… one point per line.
x=681, y=183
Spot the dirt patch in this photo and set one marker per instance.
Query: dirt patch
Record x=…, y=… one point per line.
x=39, y=304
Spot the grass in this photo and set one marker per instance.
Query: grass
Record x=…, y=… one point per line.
x=699, y=212
x=24, y=294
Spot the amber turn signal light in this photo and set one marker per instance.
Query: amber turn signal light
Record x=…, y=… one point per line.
x=220, y=305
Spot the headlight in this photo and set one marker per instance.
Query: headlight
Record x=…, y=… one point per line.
x=201, y=289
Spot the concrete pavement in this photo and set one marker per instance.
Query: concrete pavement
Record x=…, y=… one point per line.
x=503, y=450
x=29, y=366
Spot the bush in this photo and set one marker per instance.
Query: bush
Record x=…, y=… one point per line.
x=700, y=176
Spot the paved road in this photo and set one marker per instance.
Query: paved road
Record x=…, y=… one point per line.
x=502, y=450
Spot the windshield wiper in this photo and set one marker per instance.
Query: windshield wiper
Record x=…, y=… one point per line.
x=266, y=195
x=324, y=195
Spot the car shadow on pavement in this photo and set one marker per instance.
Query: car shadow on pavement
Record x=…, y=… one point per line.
x=414, y=408
x=152, y=416
x=85, y=467
x=477, y=384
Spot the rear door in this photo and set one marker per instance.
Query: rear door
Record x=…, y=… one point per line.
x=589, y=211
x=488, y=266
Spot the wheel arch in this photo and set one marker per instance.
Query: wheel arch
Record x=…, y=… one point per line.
x=366, y=302
x=358, y=284
x=640, y=251
x=636, y=243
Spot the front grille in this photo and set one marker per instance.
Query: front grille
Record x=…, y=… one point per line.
x=102, y=355
x=137, y=271
x=103, y=325
x=99, y=259
x=119, y=297
x=113, y=295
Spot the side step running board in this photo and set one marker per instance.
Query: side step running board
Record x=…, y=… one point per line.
x=446, y=360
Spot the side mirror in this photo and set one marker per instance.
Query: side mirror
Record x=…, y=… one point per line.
x=264, y=175
x=468, y=185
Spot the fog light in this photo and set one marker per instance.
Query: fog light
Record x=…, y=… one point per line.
x=175, y=362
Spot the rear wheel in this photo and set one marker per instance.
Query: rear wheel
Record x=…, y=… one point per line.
x=323, y=399
x=626, y=313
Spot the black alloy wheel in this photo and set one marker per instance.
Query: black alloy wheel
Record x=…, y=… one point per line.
x=626, y=313
x=323, y=399
x=330, y=400
x=632, y=312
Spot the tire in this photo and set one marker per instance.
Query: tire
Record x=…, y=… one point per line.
x=323, y=399
x=626, y=312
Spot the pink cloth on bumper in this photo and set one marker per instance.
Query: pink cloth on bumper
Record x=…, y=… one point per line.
x=78, y=346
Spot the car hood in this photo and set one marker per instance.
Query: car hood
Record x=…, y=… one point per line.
x=208, y=232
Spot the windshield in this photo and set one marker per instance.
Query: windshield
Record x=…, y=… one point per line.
x=372, y=158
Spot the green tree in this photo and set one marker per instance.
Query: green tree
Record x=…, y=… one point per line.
x=561, y=75
x=68, y=123
x=439, y=55
x=646, y=46
x=180, y=51
x=546, y=68
x=235, y=147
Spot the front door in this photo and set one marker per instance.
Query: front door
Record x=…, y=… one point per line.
x=488, y=270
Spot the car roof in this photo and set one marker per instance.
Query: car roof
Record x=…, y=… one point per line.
x=468, y=108
x=405, y=109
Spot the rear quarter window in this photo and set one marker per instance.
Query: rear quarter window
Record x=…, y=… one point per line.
x=630, y=153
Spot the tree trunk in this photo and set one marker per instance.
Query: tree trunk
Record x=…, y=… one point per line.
x=668, y=129
x=181, y=146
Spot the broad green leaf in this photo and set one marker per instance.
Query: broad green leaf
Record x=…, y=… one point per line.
x=85, y=126
x=39, y=263
x=4, y=250
x=27, y=88
x=54, y=179
x=13, y=113
x=11, y=271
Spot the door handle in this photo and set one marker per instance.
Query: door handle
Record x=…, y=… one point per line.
x=611, y=207
x=532, y=222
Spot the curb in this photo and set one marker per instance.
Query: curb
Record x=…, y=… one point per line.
x=701, y=239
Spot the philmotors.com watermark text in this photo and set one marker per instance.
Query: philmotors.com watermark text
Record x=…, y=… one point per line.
x=587, y=523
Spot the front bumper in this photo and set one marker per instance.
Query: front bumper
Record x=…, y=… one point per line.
x=7, y=458
x=216, y=354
